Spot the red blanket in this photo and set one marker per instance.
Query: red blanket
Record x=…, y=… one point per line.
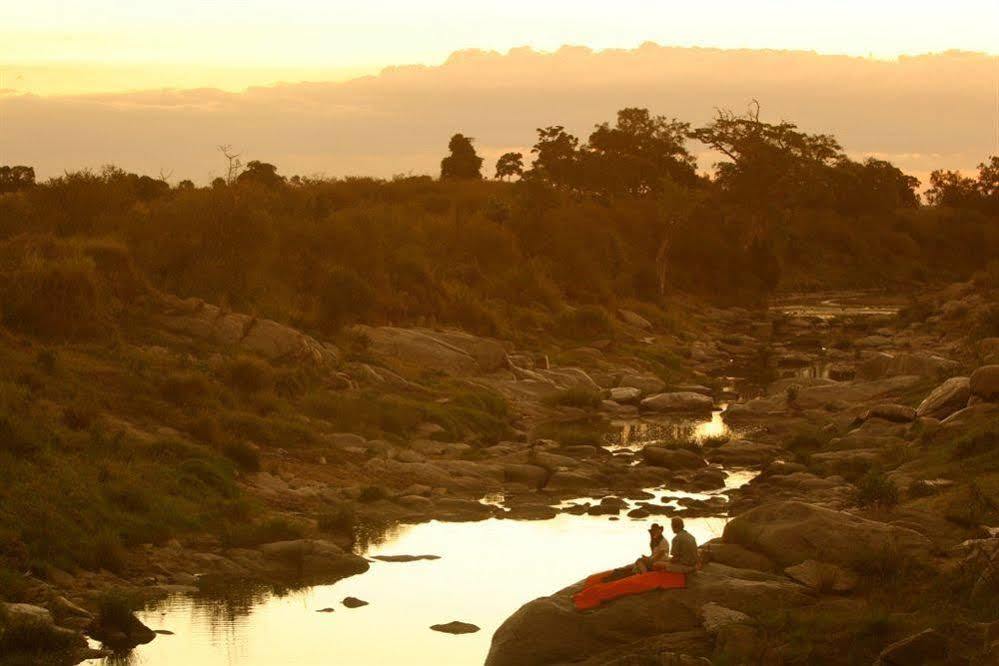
x=595, y=591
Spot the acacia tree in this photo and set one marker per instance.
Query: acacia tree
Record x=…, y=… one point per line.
x=463, y=162
x=262, y=173
x=509, y=165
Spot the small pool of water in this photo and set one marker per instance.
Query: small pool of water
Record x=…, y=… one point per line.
x=848, y=305
x=486, y=572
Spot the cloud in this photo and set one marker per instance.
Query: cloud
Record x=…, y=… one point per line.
x=925, y=112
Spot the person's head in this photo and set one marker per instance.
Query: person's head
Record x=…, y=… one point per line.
x=656, y=531
x=677, y=525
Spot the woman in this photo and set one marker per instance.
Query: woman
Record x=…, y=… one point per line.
x=659, y=547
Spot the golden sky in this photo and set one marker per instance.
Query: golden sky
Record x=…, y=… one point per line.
x=54, y=47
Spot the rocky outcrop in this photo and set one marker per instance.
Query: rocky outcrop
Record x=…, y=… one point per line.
x=661, y=456
x=550, y=630
x=926, y=647
x=791, y=532
x=924, y=364
x=311, y=559
x=647, y=384
x=946, y=399
x=273, y=341
x=681, y=401
x=450, y=352
x=892, y=412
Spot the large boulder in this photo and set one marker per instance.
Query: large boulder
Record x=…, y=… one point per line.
x=923, y=364
x=312, y=559
x=946, y=399
x=647, y=384
x=661, y=456
x=626, y=394
x=418, y=348
x=892, y=412
x=792, y=532
x=988, y=350
x=743, y=453
x=984, y=382
x=926, y=647
x=274, y=341
x=550, y=630
x=635, y=319
x=681, y=401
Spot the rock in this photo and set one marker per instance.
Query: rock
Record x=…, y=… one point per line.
x=791, y=532
x=419, y=347
x=455, y=627
x=892, y=412
x=742, y=453
x=354, y=602
x=635, y=319
x=681, y=401
x=550, y=630
x=946, y=399
x=38, y=622
x=842, y=372
x=988, y=348
x=121, y=632
x=532, y=476
x=565, y=480
x=69, y=614
x=326, y=610
x=923, y=364
x=926, y=647
x=984, y=382
x=680, y=648
x=626, y=394
x=734, y=555
x=404, y=558
x=647, y=384
x=822, y=576
x=270, y=339
x=312, y=558
x=672, y=458
x=715, y=616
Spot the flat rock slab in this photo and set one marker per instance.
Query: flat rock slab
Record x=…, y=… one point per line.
x=326, y=610
x=354, y=602
x=455, y=628
x=404, y=558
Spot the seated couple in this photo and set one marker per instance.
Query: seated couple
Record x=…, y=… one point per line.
x=680, y=558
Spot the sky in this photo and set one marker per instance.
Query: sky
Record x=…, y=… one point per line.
x=63, y=47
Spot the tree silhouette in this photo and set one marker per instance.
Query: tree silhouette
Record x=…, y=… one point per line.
x=262, y=173
x=15, y=178
x=463, y=162
x=509, y=164
x=557, y=160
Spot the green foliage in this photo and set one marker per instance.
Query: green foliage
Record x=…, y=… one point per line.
x=340, y=518
x=587, y=322
x=248, y=374
x=245, y=455
x=269, y=531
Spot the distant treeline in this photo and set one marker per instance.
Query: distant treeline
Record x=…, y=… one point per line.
x=623, y=218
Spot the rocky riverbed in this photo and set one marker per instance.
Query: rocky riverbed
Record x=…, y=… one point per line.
x=876, y=474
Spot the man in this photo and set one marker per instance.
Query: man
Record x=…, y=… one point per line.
x=684, y=551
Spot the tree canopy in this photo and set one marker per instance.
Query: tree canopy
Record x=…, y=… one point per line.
x=463, y=163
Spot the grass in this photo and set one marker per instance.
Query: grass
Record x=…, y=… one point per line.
x=338, y=519
x=876, y=490
x=577, y=396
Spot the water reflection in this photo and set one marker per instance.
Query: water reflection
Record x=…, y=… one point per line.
x=633, y=435
x=487, y=570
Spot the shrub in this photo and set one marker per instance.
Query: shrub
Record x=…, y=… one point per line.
x=185, y=388
x=577, y=396
x=108, y=552
x=249, y=375
x=245, y=455
x=338, y=519
x=588, y=322
x=254, y=534
x=877, y=490
x=115, y=608
x=344, y=296
x=79, y=415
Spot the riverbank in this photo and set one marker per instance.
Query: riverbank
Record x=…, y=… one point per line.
x=443, y=418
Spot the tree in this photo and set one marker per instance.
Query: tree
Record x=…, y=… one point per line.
x=262, y=173
x=638, y=154
x=951, y=189
x=557, y=158
x=233, y=163
x=463, y=163
x=16, y=178
x=185, y=185
x=771, y=165
x=509, y=165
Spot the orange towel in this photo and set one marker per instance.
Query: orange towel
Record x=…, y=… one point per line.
x=595, y=592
